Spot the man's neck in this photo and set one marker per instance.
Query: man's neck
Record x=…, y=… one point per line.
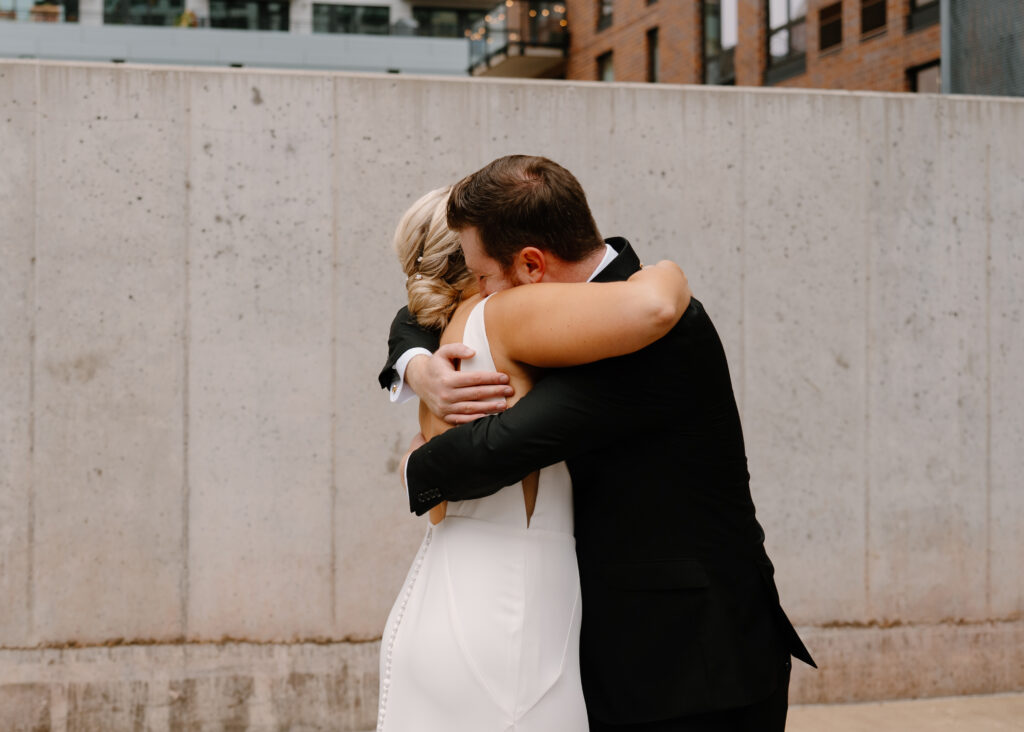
x=561, y=271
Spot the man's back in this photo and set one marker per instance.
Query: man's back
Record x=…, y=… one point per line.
x=667, y=539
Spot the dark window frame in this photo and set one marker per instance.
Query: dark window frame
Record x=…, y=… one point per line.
x=836, y=18
x=603, y=58
x=922, y=14
x=793, y=63
x=867, y=9
x=605, y=13
x=725, y=57
x=653, y=61
x=913, y=71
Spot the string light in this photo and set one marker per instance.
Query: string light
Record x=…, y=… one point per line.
x=499, y=16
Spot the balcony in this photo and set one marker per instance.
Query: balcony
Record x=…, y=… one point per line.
x=521, y=38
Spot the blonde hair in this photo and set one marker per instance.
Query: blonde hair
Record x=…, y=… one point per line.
x=432, y=260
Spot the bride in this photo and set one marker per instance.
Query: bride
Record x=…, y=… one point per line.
x=484, y=634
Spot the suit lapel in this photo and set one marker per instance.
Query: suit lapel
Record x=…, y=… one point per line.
x=623, y=265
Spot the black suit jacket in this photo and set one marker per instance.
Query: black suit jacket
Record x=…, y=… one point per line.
x=406, y=333
x=681, y=613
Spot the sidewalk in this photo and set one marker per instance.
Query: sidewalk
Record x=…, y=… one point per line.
x=999, y=713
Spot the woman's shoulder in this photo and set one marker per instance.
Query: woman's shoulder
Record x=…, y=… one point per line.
x=453, y=332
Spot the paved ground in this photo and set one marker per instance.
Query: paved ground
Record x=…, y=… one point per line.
x=1000, y=713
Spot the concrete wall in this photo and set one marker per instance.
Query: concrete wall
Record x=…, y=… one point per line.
x=200, y=520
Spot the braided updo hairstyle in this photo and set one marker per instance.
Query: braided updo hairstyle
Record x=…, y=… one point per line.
x=432, y=259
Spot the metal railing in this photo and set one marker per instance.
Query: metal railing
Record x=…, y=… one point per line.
x=514, y=26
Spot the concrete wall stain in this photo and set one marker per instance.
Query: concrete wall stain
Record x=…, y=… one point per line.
x=109, y=705
x=82, y=368
x=25, y=707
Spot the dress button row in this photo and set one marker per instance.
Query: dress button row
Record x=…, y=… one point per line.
x=385, y=683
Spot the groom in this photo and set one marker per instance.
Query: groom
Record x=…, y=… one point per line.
x=682, y=627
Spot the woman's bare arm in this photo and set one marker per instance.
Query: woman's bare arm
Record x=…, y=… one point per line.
x=564, y=324
x=430, y=427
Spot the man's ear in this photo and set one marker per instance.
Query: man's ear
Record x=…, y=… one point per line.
x=531, y=264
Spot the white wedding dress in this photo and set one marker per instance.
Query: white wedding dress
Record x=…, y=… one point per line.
x=484, y=635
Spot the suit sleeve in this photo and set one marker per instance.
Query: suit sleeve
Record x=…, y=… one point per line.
x=406, y=333
x=569, y=412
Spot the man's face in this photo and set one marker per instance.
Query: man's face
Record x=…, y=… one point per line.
x=489, y=275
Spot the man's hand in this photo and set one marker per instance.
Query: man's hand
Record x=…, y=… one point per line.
x=456, y=396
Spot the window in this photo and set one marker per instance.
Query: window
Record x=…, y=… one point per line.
x=787, y=39
x=605, y=71
x=444, y=22
x=365, y=19
x=249, y=15
x=923, y=13
x=830, y=26
x=719, y=41
x=652, y=55
x=604, y=13
x=45, y=11
x=926, y=79
x=140, y=12
x=872, y=15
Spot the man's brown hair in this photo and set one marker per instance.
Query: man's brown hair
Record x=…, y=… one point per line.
x=520, y=201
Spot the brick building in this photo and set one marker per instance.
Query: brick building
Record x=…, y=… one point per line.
x=881, y=45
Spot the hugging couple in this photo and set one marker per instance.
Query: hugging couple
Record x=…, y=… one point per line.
x=592, y=559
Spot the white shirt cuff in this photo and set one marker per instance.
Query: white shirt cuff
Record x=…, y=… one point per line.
x=400, y=391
